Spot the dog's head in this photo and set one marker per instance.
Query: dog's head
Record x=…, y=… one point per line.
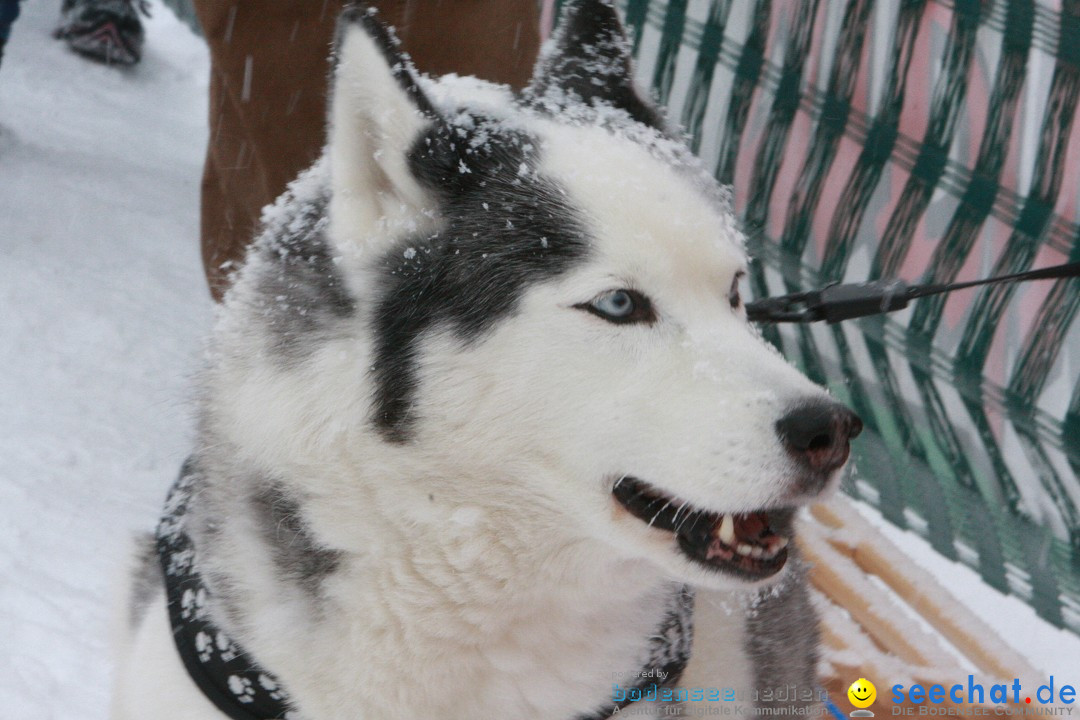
x=551, y=285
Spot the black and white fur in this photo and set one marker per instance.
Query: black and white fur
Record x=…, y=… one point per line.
x=411, y=423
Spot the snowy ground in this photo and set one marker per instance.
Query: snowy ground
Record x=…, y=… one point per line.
x=102, y=307
x=1048, y=649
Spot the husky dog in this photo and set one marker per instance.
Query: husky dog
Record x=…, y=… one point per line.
x=485, y=432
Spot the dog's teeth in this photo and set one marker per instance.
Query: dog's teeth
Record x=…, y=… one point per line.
x=775, y=546
x=757, y=552
x=727, y=531
x=744, y=549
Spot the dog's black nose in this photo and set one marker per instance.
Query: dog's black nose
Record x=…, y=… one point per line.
x=816, y=433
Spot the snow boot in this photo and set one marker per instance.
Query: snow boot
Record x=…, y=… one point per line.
x=109, y=31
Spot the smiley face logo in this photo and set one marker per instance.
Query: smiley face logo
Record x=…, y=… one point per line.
x=862, y=693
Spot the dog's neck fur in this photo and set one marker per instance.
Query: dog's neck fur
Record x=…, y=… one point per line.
x=482, y=616
x=483, y=600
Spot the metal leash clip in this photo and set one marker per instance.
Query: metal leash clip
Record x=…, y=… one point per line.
x=835, y=303
x=832, y=303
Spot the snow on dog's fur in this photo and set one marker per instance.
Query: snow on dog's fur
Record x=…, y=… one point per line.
x=483, y=395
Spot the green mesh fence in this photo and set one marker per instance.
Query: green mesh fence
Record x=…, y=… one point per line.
x=928, y=140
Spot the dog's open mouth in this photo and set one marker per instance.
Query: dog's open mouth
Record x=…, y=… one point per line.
x=751, y=545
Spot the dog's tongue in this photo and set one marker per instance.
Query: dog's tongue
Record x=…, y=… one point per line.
x=752, y=528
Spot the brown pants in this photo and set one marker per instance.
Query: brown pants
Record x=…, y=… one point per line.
x=269, y=65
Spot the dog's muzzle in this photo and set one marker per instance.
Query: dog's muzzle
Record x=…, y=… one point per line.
x=753, y=545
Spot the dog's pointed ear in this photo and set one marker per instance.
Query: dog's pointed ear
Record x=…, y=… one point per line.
x=377, y=110
x=589, y=60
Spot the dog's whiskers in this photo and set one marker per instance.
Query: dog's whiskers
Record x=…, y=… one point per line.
x=689, y=516
x=661, y=510
x=675, y=517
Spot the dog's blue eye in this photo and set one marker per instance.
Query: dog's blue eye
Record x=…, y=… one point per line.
x=617, y=304
x=621, y=306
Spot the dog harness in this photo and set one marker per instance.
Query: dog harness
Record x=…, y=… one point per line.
x=242, y=690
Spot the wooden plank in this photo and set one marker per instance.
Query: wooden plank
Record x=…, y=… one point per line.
x=844, y=582
x=875, y=555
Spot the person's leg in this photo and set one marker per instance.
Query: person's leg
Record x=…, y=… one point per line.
x=9, y=10
x=268, y=67
x=269, y=64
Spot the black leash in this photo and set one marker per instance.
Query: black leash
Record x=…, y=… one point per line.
x=853, y=300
